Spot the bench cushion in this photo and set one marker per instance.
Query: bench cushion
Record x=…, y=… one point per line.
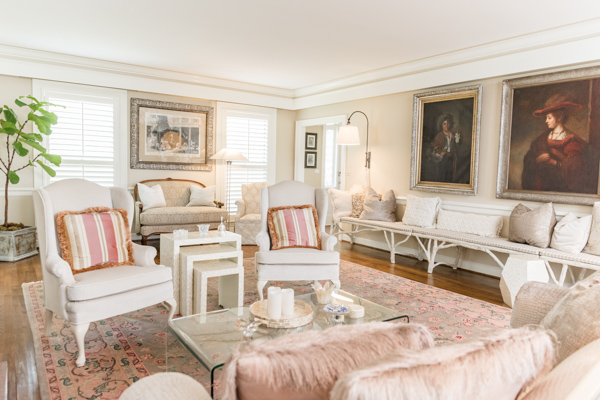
x=181, y=215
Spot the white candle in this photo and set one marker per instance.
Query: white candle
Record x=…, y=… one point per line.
x=274, y=302
x=287, y=301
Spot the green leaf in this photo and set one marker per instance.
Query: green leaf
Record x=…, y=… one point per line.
x=42, y=123
x=8, y=127
x=10, y=115
x=46, y=168
x=34, y=144
x=29, y=136
x=34, y=107
x=30, y=97
x=54, y=159
x=13, y=177
x=52, y=118
x=20, y=103
x=20, y=149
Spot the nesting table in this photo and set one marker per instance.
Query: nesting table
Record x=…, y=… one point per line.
x=198, y=257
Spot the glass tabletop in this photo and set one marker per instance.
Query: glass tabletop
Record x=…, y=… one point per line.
x=211, y=337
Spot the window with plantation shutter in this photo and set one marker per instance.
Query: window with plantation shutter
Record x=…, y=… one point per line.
x=89, y=135
x=251, y=131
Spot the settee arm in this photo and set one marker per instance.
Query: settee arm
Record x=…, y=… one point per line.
x=533, y=302
x=137, y=210
x=328, y=241
x=144, y=255
x=241, y=208
x=60, y=268
x=263, y=241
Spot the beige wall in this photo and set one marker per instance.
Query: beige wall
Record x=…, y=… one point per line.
x=312, y=176
x=286, y=121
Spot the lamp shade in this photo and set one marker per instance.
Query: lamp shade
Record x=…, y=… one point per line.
x=348, y=136
x=229, y=155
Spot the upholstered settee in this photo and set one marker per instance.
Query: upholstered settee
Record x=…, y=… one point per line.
x=175, y=215
x=247, y=218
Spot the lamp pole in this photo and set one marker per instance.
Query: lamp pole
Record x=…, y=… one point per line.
x=367, y=152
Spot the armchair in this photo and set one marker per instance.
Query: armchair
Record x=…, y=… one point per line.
x=247, y=218
x=93, y=295
x=295, y=264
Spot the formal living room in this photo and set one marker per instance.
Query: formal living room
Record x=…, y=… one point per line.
x=303, y=200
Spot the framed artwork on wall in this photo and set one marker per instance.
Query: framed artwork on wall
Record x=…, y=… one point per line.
x=171, y=136
x=550, y=137
x=311, y=141
x=310, y=159
x=445, y=141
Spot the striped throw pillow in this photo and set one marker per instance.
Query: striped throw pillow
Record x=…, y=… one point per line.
x=294, y=226
x=94, y=238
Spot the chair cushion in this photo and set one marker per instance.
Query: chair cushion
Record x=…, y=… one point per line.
x=101, y=283
x=306, y=365
x=202, y=197
x=250, y=218
x=533, y=227
x=181, y=215
x=576, y=317
x=294, y=226
x=492, y=368
x=296, y=256
x=151, y=197
x=251, y=196
x=95, y=238
x=379, y=208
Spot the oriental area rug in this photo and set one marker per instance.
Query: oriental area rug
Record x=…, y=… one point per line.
x=124, y=349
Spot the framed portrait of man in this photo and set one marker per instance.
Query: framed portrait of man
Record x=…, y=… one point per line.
x=550, y=138
x=445, y=141
x=167, y=135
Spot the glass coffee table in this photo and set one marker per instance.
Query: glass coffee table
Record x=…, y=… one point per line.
x=211, y=337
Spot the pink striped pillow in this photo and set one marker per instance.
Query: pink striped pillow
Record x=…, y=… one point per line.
x=294, y=226
x=94, y=238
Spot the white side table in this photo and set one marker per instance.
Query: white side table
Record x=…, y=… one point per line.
x=520, y=268
x=170, y=249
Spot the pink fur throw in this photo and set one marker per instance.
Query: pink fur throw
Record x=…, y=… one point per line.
x=501, y=367
x=306, y=365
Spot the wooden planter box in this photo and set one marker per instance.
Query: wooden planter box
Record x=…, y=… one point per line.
x=17, y=245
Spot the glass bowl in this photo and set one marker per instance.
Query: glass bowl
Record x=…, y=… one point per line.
x=203, y=228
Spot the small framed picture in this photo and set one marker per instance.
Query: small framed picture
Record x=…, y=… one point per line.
x=310, y=159
x=311, y=141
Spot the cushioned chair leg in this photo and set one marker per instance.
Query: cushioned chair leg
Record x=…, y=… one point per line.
x=79, y=331
x=171, y=305
x=260, y=286
x=48, y=322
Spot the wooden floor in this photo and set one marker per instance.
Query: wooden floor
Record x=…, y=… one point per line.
x=16, y=345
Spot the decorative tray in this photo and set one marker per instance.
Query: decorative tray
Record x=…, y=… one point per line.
x=303, y=314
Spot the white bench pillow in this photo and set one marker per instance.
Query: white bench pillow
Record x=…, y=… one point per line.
x=482, y=225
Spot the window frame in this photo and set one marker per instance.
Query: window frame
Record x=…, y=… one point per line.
x=41, y=89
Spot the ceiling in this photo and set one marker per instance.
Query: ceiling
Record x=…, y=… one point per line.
x=279, y=43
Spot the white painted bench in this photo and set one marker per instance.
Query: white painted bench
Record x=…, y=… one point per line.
x=432, y=240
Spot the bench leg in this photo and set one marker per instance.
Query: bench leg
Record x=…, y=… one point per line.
x=459, y=257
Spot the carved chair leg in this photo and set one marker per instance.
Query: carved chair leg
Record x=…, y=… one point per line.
x=48, y=322
x=171, y=305
x=144, y=240
x=260, y=286
x=79, y=332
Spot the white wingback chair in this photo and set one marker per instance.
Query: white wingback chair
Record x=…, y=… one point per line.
x=295, y=264
x=247, y=218
x=90, y=296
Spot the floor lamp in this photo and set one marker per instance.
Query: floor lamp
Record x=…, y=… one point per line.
x=228, y=156
x=348, y=136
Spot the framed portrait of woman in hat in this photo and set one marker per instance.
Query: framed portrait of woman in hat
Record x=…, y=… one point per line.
x=550, y=138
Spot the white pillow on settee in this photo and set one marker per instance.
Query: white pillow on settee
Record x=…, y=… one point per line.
x=421, y=211
x=482, y=225
x=571, y=233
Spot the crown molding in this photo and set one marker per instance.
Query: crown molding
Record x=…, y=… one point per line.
x=573, y=43
x=73, y=69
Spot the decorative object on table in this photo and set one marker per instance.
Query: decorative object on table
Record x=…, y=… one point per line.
x=203, y=229
x=228, y=156
x=18, y=241
x=171, y=136
x=222, y=228
x=179, y=234
x=274, y=302
x=311, y=141
x=518, y=270
x=287, y=302
x=310, y=159
x=337, y=311
x=323, y=292
x=445, y=142
x=303, y=314
x=247, y=328
x=544, y=157
x=176, y=214
x=348, y=136
x=356, y=311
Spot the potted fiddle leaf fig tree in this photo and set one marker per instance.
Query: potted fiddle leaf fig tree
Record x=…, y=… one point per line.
x=23, y=150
